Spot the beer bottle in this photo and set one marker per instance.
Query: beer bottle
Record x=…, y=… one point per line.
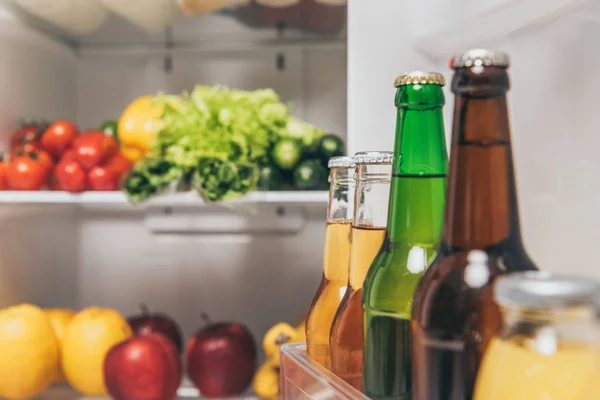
x=335, y=258
x=413, y=234
x=454, y=314
x=373, y=172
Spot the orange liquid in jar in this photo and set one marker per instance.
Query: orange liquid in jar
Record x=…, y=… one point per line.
x=330, y=292
x=513, y=370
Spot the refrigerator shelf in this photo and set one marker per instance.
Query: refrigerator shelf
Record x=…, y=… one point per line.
x=64, y=392
x=171, y=199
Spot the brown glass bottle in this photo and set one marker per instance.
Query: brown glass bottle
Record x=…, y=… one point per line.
x=454, y=315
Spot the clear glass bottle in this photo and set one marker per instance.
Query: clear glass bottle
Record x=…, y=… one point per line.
x=549, y=345
x=336, y=256
x=373, y=174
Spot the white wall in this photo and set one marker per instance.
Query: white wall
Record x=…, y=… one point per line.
x=553, y=103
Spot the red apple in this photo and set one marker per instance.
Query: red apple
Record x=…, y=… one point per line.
x=143, y=368
x=148, y=322
x=221, y=359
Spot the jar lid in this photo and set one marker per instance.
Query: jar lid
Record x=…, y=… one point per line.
x=480, y=57
x=420, y=77
x=374, y=157
x=341, y=162
x=537, y=289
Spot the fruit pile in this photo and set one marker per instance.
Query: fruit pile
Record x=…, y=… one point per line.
x=58, y=157
x=98, y=352
x=266, y=380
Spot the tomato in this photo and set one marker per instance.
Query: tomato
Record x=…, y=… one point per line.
x=23, y=149
x=37, y=154
x=93, y=148
x=26, y=173
x=29, y=133
x=68, y=156
x=102, y=178
x=3, y=183
x=119, y=164
x=58, y=137
x=70, y=176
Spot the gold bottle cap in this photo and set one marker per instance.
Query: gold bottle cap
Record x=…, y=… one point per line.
x=420, y=77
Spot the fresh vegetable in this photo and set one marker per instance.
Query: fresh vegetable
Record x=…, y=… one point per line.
x=38, y=154
x=271, y=178
x=58, y=137
x=330, y=146
x=218, y=141
x=3, y=174
x=148, y=177
x=138, y=127
x=102, y=178
x=286, y=154
x=93, y=148
x=70, y=176
x=26, y=173
x=311, y=175
x=29, y=132
x=119, y=165
x=110, y=128
x=29, y=147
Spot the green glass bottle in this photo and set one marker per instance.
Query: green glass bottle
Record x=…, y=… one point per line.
x=415, y=219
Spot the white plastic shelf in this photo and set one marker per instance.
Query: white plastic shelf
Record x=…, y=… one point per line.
x=497, y=23
x=171, y=199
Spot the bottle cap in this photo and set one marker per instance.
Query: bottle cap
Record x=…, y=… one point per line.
x=341, y=162
x=420, y=77
x=545, y=290
x=374, y=157
x=480, y=57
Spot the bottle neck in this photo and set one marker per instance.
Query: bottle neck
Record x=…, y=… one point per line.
x=419, y=171
x=481, y=207
x=341, y=195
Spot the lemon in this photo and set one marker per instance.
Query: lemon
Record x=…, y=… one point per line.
x=29, y=352
x=60, y=319
x=90, y=335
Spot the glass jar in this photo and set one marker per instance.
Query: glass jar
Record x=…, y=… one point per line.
x=549, y=344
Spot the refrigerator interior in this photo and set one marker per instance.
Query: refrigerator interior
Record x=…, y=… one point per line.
x=263, y=265
x=257, y=264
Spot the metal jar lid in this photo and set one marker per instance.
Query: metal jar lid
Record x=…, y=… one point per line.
x=341, y=162
x=480, y=57
x=420, y=77
x=374, y=157
x=544, y=290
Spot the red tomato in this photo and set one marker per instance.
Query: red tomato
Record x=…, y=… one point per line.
x=93, y=148
x=68, y=156
x=37, y=154
x=23, y=149
x=119, y=165
x=3, y=183
x=27, y=134
x=102, y=178
x=58, y=137
x=26, y=173
x=70, y=176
